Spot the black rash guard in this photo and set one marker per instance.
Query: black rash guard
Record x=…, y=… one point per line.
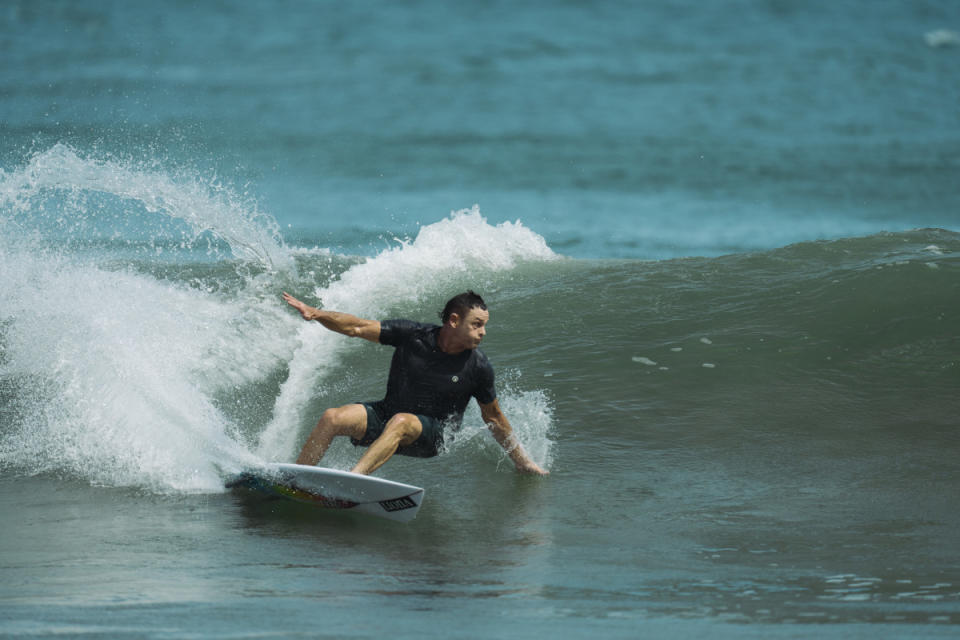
x=425, y=380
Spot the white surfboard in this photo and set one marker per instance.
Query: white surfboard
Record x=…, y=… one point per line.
x=333, y=489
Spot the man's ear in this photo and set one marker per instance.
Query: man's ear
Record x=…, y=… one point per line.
x=454, y=319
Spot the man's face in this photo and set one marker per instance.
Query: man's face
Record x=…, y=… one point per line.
x=471, y=329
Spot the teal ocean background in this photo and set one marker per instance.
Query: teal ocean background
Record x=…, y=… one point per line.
x=720, y=243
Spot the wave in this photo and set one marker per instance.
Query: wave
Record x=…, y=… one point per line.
x=817, y=347
x=143, y=342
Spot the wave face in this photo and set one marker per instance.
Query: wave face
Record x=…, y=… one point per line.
x=839, y=339
x=144, y=342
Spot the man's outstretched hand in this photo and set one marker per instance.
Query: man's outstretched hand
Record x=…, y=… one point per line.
x=305, y=310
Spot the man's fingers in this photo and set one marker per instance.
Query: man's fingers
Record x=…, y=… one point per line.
x=296, y=304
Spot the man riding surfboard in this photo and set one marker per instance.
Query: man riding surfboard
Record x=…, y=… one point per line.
x=434, y=372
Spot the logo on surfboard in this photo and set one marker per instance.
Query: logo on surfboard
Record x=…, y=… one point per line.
x=398, y=504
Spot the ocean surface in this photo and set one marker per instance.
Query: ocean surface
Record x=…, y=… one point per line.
x=721, y=247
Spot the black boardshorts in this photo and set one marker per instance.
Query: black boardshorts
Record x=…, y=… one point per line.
x=426, y=446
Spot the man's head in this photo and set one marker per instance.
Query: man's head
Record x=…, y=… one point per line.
x=461, y=305
x=464, y=322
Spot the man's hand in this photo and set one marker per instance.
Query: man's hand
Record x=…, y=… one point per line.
x=305, y=310
x=531, y=468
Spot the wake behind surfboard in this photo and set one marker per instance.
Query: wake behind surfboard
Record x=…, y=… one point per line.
x=333, y=489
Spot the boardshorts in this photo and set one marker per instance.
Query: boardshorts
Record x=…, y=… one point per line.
x=426, y=446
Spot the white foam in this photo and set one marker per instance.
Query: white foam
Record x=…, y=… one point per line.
x=118, y=373
x=942, y=38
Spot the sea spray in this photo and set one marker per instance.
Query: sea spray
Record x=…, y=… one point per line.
x=105, y=367
x=531, y=416
x=109, y=372
x=75, y=199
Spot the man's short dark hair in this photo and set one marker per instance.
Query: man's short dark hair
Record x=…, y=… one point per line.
x=461, y=305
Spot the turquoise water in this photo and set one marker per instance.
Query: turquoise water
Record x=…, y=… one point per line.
x=678, y=128
x=720, y=246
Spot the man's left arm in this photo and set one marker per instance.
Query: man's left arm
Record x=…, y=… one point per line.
x=503, y=433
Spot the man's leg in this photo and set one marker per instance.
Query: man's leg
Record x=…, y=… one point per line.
x=349, y=420
x=401, y=430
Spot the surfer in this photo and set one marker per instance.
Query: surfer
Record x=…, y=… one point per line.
x=434, y=372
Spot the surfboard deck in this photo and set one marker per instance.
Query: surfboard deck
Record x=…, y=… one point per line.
x=333, y=489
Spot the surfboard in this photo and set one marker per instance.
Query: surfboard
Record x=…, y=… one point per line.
x=333, y=489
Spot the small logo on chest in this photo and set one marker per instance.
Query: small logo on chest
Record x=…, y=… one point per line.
x=455, y=379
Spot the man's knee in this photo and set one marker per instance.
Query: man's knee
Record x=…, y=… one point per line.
x=405, y=427
x=347, y=420
x=332, y=416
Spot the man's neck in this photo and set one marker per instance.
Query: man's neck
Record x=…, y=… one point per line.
x=445, y=343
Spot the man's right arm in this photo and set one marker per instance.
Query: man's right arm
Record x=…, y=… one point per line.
x=344, y=323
